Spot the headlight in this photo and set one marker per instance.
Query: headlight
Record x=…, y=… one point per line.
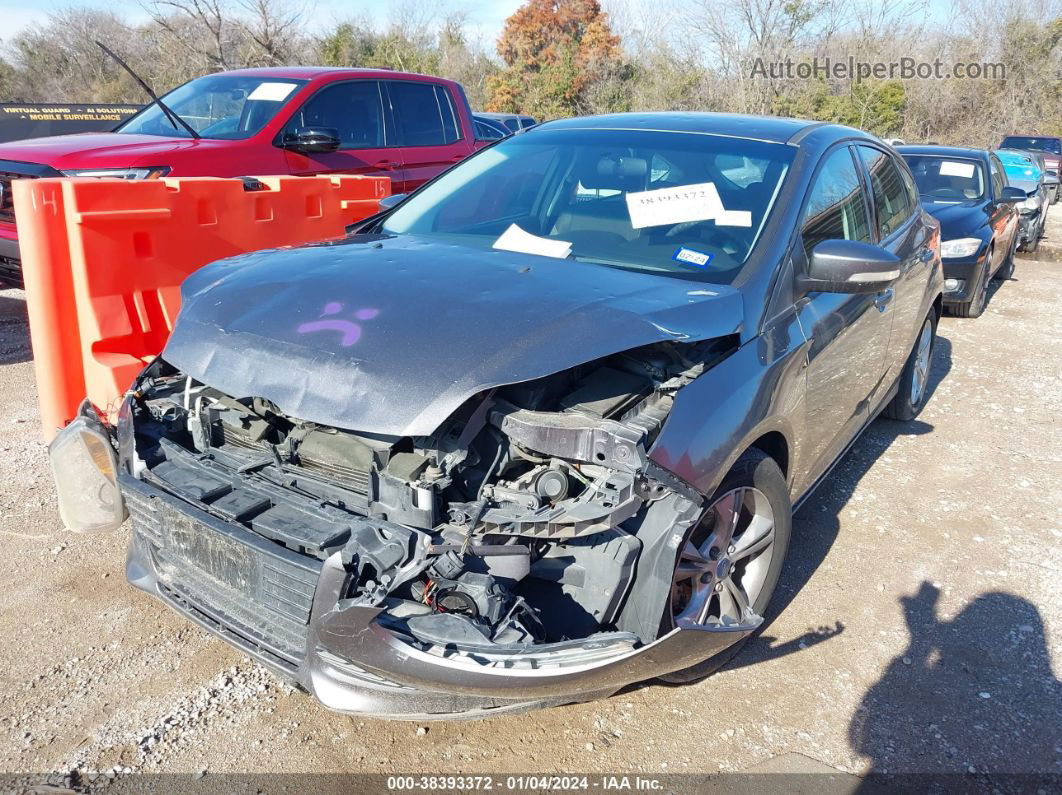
x=954, y=285
x=153, y=172
x=960, y=247
x=85, y=469
x=1032, y=203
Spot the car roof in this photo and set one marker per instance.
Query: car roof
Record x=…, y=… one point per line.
x=763, y=128
x=1032, y=135
x=312, y=72
x=942, y=151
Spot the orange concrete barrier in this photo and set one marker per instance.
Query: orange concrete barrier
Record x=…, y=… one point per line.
x=103, y=260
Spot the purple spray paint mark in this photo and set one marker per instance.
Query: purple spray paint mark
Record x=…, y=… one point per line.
x=350, y=330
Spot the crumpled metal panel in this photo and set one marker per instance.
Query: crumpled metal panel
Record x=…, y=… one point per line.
x=391, y=335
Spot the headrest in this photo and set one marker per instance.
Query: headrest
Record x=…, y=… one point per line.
x=617, y=172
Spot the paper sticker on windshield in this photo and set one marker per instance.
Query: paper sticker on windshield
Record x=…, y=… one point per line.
x=516, y=239
x=689, y=256
x=272, y=92
x=953, y=168
x=668, y=206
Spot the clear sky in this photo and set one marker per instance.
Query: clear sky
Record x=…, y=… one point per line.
x=484, y=17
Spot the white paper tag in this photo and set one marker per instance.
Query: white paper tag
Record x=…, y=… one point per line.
x=667, y=206
x=516, y=239
x=952, y=168
x=272, y=92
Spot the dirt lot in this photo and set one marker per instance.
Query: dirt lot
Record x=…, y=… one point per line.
x=918, y=626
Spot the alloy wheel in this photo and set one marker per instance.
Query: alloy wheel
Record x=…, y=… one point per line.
x=723, y=564
x=923, y=354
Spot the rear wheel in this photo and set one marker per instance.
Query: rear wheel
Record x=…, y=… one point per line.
x=913, y=386
x=730, y=561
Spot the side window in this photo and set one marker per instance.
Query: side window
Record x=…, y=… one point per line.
x=836, y=208
x=998, y=180
x=891, y=198
x=353, y=109
x=424, y=114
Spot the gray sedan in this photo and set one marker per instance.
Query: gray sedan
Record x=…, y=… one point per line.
x=534, y=433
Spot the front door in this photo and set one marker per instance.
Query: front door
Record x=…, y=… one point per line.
x=355, y=109
x=848, y=335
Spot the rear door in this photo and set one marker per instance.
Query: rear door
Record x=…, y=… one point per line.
x=355, y=109
x=898, y=229
x=429, y=129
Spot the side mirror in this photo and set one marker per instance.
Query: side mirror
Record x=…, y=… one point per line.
x=848, y=266
x=1012, y=195
x=312, y=140
x=387, y=202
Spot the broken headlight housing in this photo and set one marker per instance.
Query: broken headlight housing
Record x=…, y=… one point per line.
x=85, y=469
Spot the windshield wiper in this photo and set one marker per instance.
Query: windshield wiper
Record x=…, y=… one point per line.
x=173, y=117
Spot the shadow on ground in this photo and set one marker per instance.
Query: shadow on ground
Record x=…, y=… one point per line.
x=14, y=329
x=975, y=695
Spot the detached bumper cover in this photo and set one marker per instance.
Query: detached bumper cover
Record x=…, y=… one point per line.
x=288, y=612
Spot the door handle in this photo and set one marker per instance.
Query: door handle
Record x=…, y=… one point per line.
x=883, y=299
x=385, y=164
x=457, y=158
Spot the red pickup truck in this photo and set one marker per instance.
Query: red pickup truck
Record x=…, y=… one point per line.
x=299, y=120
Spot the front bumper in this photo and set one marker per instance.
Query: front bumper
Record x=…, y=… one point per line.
x=290, y=614
x=10, y=260
x=1029, y=227
x=965, y=271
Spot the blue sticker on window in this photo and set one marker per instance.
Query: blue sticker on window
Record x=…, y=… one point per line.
x=689, y=256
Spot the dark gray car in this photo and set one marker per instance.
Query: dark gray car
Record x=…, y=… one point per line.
x=538, y=431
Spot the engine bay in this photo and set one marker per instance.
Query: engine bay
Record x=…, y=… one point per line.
x=533, y=515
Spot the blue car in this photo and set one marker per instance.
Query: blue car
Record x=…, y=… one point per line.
x=1023, y=172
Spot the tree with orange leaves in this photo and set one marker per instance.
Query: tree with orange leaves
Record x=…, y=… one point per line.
x=554, y=51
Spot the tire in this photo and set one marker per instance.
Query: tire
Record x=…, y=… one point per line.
x=1006, y=270
x=911, y=394
x=758, y=473
x=976, y=305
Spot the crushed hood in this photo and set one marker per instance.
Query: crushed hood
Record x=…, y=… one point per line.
x=391, y=335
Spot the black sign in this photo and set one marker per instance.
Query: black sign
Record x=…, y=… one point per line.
x=18, y=121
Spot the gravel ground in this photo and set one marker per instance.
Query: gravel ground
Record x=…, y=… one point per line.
x=917, y=628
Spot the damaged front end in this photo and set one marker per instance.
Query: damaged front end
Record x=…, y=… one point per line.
x=520, y=555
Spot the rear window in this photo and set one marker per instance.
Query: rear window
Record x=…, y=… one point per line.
x=1052, y=145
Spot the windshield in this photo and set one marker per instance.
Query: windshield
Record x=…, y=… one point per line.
x=949, y=178
x=676, y=203
x=1051, y=145
x=1018, y=166
x=218, y=106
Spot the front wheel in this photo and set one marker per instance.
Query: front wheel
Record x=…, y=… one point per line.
x=1006, y=270
x=913, y=386
x=976, y=305
x=729, y=563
